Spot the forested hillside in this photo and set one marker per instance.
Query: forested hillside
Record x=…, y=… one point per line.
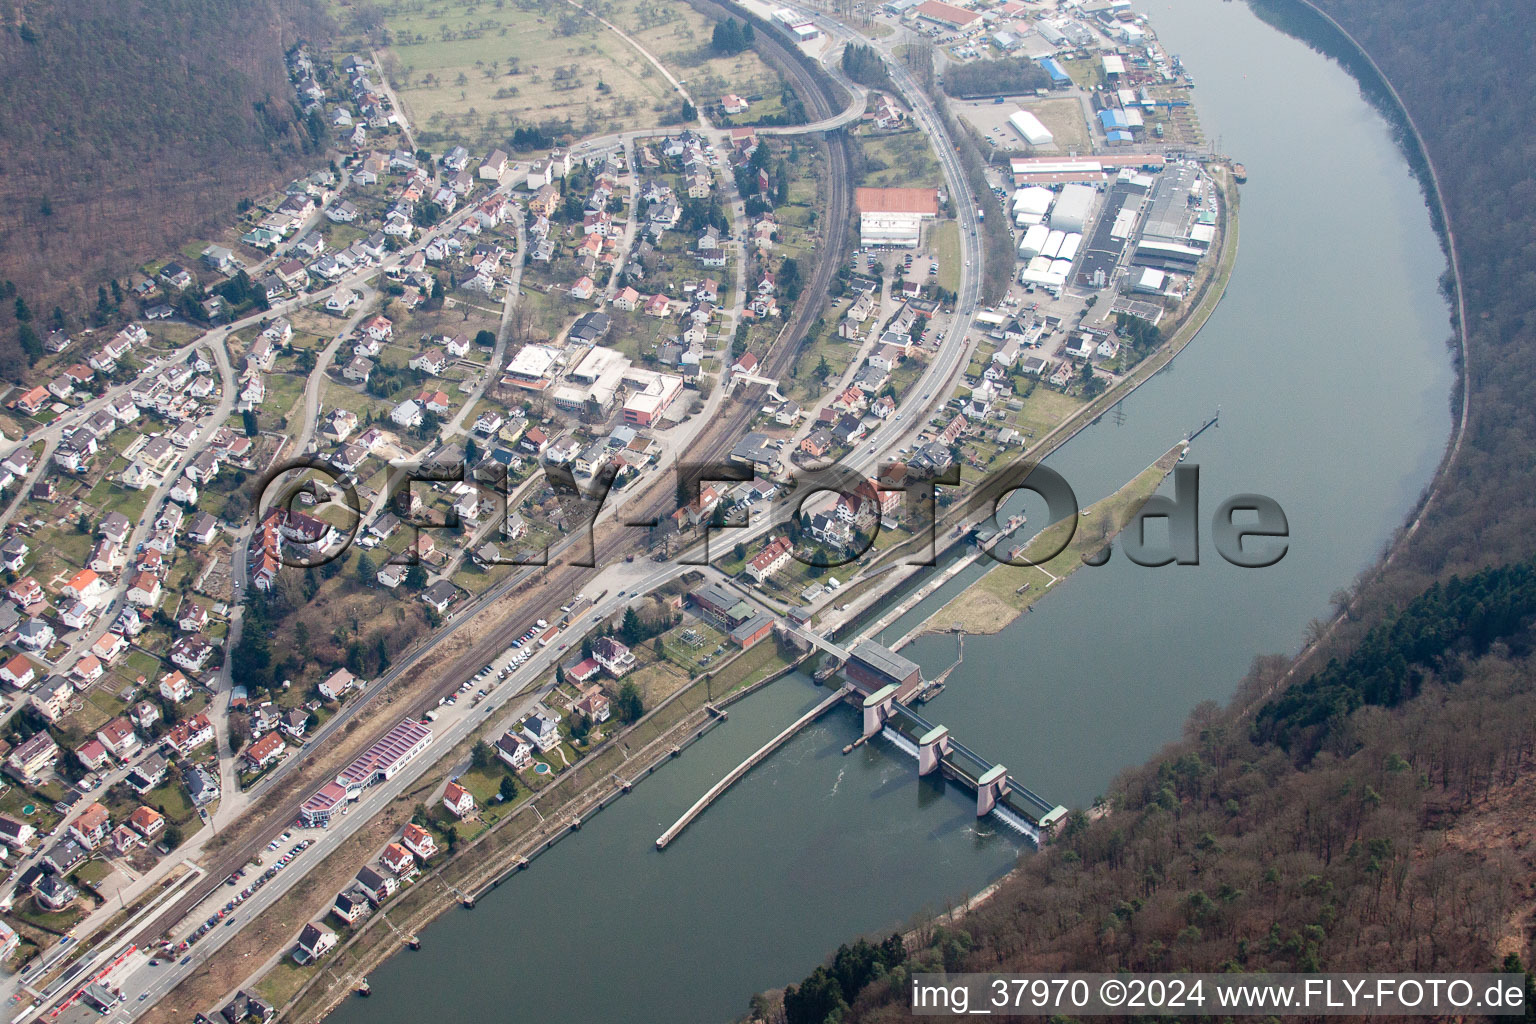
x=125, y=125
x=1372, y=807
x=1398, y=837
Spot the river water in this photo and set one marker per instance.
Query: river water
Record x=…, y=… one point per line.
x=1328, y=360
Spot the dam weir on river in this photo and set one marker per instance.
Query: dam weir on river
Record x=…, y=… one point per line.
x=884, y=684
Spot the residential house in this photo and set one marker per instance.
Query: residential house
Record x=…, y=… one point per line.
x=52, y=699
x=337, y=685
x=92, y=755
x=615, y=657
x=439, y=596
x=175, y=687
x=53, y=893
x=186, y=736
x=315, y=940
x=147, y=822
x=202, y=787
x=419, y=841
x=149, y=773
x=35, y=635
x=349, y=907
x=541, y=729
x=14, y=833
x=407, y=414
x=19, y=672
x=774, y=556
x=458, y=800
x=594, y=706
x=144, y=715
x=515, y=750
x=90, y=829
x=191, y=653
x=264, y=751
x=119, y=738
x=33, y=757
x=375, y=886
x=397, y=859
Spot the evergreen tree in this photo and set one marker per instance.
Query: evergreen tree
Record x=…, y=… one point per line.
x=633, y=630
x=629, y=705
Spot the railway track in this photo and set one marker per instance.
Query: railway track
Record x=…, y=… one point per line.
x=556, y=584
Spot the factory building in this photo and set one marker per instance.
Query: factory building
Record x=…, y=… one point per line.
x=1030, y=128
x=893, y=217
x=1059, y=77
x=1030, y=204
x=797, y=26
x=1034, y=241
x=1072, y=208
x=946, y=15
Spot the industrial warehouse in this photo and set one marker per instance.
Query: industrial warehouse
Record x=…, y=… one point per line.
x=894, y=217
x=1147, y=229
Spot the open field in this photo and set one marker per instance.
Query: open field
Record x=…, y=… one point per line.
x=471, y=73
x=900, y=160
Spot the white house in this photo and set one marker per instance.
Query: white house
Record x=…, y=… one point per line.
x=407, y=414
x=543, y=732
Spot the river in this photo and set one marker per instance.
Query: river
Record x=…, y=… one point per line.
x=1328, y=360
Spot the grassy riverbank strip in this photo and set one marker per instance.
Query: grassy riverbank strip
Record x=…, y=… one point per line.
x=1005, y=591
x=1208, y=295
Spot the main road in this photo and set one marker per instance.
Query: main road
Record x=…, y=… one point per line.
x=557, y=584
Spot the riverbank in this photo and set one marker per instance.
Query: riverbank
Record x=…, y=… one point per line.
x=1209, y=290
x=1005, y=591
x=535, y=827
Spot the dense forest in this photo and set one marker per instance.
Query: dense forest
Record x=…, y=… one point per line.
x=125, y=126
x=1369, y=807
x=1399, y=840
x=1009, y=77
x=864, y=65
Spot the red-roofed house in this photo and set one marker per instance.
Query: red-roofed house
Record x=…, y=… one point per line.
x=771, y=559
x=398, y=859
x=118, y=737
x=265, y=750
x=85, y=586
x=92, y=754
x=32, y=401
x=187, y=736
x=419, y=841
x=458, y=800
x=91, y=828
x=109, y=646
x=147, y=822
x=19, y=672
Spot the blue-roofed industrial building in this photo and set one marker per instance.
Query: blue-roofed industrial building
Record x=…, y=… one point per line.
x=1059, y=77
x=1119, y=137
x=1113, y=118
